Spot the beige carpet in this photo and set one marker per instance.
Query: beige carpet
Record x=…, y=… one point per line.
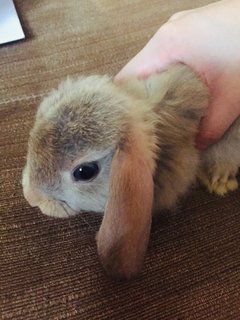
x=49, y=268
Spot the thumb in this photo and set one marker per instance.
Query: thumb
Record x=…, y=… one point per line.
x=221, y=115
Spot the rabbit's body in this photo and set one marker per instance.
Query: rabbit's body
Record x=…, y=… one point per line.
x=179, y=163
x=138, y=142
x=178, y=108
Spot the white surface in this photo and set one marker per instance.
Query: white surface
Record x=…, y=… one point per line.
x=10, y=27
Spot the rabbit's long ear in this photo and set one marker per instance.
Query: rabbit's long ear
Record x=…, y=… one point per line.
x=123, y=236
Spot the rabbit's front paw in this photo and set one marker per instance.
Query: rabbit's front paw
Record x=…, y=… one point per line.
x=219, y=179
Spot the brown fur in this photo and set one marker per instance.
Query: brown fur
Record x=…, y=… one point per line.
x=122, y=245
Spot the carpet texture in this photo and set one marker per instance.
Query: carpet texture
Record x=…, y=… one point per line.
x=49, y=268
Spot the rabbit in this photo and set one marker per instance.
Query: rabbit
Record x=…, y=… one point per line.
x=126, y=150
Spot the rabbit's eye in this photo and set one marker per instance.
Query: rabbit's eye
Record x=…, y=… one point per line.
x=86, y=171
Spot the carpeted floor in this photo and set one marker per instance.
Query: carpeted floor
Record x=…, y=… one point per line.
x=49, y=268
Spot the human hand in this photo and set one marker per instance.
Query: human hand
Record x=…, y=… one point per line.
x=208, y=40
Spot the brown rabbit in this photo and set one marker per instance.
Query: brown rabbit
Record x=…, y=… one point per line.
x=125, y=150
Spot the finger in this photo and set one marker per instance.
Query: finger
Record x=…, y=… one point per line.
x=161, y=51
x=180, y=14
x=221, y=115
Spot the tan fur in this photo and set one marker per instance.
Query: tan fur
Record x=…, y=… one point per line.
x=138, y=132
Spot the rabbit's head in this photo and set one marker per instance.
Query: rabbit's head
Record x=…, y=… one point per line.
x=95, y=145
x=92, y=148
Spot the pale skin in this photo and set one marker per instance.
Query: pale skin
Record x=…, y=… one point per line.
x=208, y=40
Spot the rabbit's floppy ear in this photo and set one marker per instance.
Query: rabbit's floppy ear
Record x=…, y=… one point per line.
x=123, y=236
